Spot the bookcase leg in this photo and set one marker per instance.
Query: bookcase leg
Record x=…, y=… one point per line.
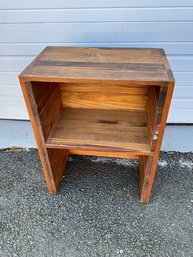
x=53, y=163
x=57, y=159
x=147, y=168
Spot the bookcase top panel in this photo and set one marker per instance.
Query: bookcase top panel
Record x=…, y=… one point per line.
x=62, y=64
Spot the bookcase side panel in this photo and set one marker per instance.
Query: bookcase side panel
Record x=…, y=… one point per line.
x=48, y=102
x=148, y=167
x=53, y=160
x=38, y=133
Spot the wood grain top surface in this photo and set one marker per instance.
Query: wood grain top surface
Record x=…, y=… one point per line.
x=66, y=64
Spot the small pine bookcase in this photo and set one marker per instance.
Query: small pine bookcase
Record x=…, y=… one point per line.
x=98, y=101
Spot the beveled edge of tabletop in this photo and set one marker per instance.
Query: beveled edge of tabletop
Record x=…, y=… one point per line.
x=26, y=74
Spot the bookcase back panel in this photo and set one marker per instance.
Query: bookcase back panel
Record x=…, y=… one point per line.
x=103, y=96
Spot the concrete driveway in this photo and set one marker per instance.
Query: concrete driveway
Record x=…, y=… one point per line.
x=96, y=212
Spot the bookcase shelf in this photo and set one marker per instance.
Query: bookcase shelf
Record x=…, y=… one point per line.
x=105, y=102
x=103, y=130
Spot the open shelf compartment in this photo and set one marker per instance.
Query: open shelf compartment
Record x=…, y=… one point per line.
x=100, y=130
x=92, y=117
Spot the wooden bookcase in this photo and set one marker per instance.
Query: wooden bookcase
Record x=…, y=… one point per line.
x=98, y=101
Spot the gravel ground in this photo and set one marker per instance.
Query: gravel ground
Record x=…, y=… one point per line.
x=96, y=212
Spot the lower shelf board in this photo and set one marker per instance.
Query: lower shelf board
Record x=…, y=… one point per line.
x=104, y=130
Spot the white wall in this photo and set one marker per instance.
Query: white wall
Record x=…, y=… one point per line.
x=26, y=27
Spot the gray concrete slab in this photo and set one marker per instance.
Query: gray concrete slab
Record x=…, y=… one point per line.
x=96, y=212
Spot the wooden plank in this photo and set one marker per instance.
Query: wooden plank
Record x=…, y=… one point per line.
x=104, y=88
x=161, y=96
x=167, y=66
x=155, y=104
x=104, y=96
x=58, y=159
x=48, y=101
x=182, y=78
x=104, y=153
x=100, y=130
x=67, y=63
x=151, y=163
x=49, y=158
x=151, y=109
x=126, y=58
x=145, y=166
x=38, y=133
x=143, y=162
x=182, y=63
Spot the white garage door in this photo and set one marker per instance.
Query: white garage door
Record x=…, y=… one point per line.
x=26, y=27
